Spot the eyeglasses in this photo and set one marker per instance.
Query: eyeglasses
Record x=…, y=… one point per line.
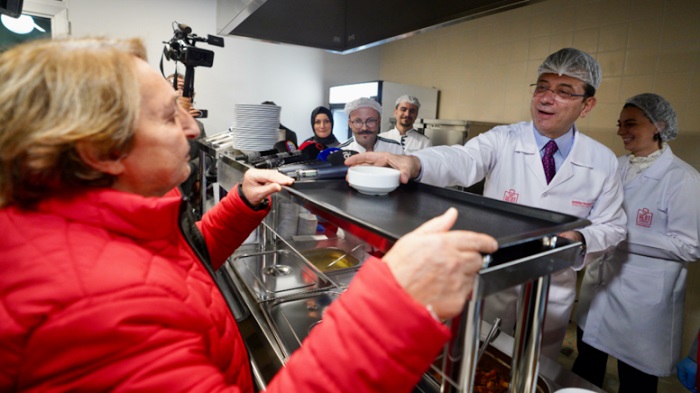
x=370, y=123
x=562, y=94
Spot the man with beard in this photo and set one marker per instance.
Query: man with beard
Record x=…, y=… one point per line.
x=546, y=163
x=406, y=112
x=364, y=117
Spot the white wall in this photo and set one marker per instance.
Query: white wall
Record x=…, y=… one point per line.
x=244, y=71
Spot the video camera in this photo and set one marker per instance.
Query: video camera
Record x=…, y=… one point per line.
x=182, y=47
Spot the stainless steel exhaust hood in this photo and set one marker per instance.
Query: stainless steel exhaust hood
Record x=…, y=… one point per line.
x=344, y=26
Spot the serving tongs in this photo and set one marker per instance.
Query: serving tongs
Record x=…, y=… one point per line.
x=493, y=333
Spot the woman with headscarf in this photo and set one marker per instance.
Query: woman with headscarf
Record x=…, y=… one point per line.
x=322, y=125
x=631, y=300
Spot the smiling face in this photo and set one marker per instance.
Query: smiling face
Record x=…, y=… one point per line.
x=637, y=132
x=553, y=117
x=365, y=135
x=322, y=125
x=405, y=114
x=158, y=160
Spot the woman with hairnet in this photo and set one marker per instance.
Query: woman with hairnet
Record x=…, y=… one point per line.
x=631, y=300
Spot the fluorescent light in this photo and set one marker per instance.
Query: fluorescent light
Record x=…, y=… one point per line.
x=22, y=25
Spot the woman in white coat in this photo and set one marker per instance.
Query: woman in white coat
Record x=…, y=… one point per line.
x=631, y=301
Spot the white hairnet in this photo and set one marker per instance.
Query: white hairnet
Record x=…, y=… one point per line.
x=659, y=111
x=362, y=102
x=574, y=63
x=410, y=99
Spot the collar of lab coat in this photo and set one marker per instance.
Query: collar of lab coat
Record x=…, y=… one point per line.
x=578, y=156
x=658, y=169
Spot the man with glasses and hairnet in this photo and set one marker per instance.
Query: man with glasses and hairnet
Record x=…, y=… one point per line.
x=546, y=163
x=364, y=118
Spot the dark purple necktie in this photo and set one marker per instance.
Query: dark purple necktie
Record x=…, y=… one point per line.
x=548, y=160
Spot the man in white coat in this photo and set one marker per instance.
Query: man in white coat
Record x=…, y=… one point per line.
x=406, y=112
x=364, y=118
x=514, y=161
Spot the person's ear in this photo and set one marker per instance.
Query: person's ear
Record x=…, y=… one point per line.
x=588, y=105
x=93, y=158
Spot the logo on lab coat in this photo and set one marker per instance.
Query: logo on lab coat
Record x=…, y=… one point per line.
x=644, y=217
x=511, y=196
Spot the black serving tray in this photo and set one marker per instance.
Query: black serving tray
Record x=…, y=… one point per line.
x=381, y=220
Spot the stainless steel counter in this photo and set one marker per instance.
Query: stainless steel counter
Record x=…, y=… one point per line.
x=283, y=304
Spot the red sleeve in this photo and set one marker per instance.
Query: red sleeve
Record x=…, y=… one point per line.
x=374, y=338
x=227, y=225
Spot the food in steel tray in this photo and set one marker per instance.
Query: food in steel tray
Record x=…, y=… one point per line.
x=492, y=373
x=487, y=380
x=491, y=381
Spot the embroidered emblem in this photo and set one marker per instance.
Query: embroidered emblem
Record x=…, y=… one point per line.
x=581, y=204
x=644, y=217
x=511, y=196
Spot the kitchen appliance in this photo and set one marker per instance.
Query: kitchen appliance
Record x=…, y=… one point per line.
x=383, y=92
x=451, y=132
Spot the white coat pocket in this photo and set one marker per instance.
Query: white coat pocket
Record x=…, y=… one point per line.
x=642, y=285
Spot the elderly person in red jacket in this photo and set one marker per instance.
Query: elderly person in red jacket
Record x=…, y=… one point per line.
x=106, y=279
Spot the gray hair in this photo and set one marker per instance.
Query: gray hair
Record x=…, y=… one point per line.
x=410, y=99
x=362, y=102
x=659, y=111
x=574, y=63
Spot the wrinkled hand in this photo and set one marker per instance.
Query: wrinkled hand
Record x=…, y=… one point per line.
x=408, y=165
x=437, y=266
x=257, y=184
x=196, y=113
x=185, y=103
x=687, y=369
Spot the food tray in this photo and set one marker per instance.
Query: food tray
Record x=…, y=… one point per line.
x=391, y=216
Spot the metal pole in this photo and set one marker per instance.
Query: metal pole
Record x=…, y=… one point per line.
x=528, y=335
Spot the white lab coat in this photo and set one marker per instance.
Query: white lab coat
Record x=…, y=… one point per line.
x=586, y=185
x=381, y=145
x=631, y=301
x=414, y=140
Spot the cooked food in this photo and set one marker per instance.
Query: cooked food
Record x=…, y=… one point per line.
x=494, y=380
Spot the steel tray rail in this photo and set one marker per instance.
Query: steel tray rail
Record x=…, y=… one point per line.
x=384, y=219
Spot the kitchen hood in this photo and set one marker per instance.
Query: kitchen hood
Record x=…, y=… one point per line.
x=345, y=26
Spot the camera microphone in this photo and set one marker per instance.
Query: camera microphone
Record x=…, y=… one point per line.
x=248, y=157
x=334, y=167
x=184, y=29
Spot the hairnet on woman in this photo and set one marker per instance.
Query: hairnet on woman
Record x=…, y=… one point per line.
x=631, y=303
x=107, y=279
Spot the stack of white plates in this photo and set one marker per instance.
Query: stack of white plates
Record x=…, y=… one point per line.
x=255, y=127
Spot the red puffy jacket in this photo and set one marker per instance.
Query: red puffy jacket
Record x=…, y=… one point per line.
x=101, y=291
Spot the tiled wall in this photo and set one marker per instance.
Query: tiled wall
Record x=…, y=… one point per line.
x=483, y=68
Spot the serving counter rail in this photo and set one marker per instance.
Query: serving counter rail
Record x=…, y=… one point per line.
x=287, y=290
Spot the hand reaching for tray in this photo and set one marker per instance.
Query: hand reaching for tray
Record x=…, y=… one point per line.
x=437, y=266
x=258, y=184
x=408, y=165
